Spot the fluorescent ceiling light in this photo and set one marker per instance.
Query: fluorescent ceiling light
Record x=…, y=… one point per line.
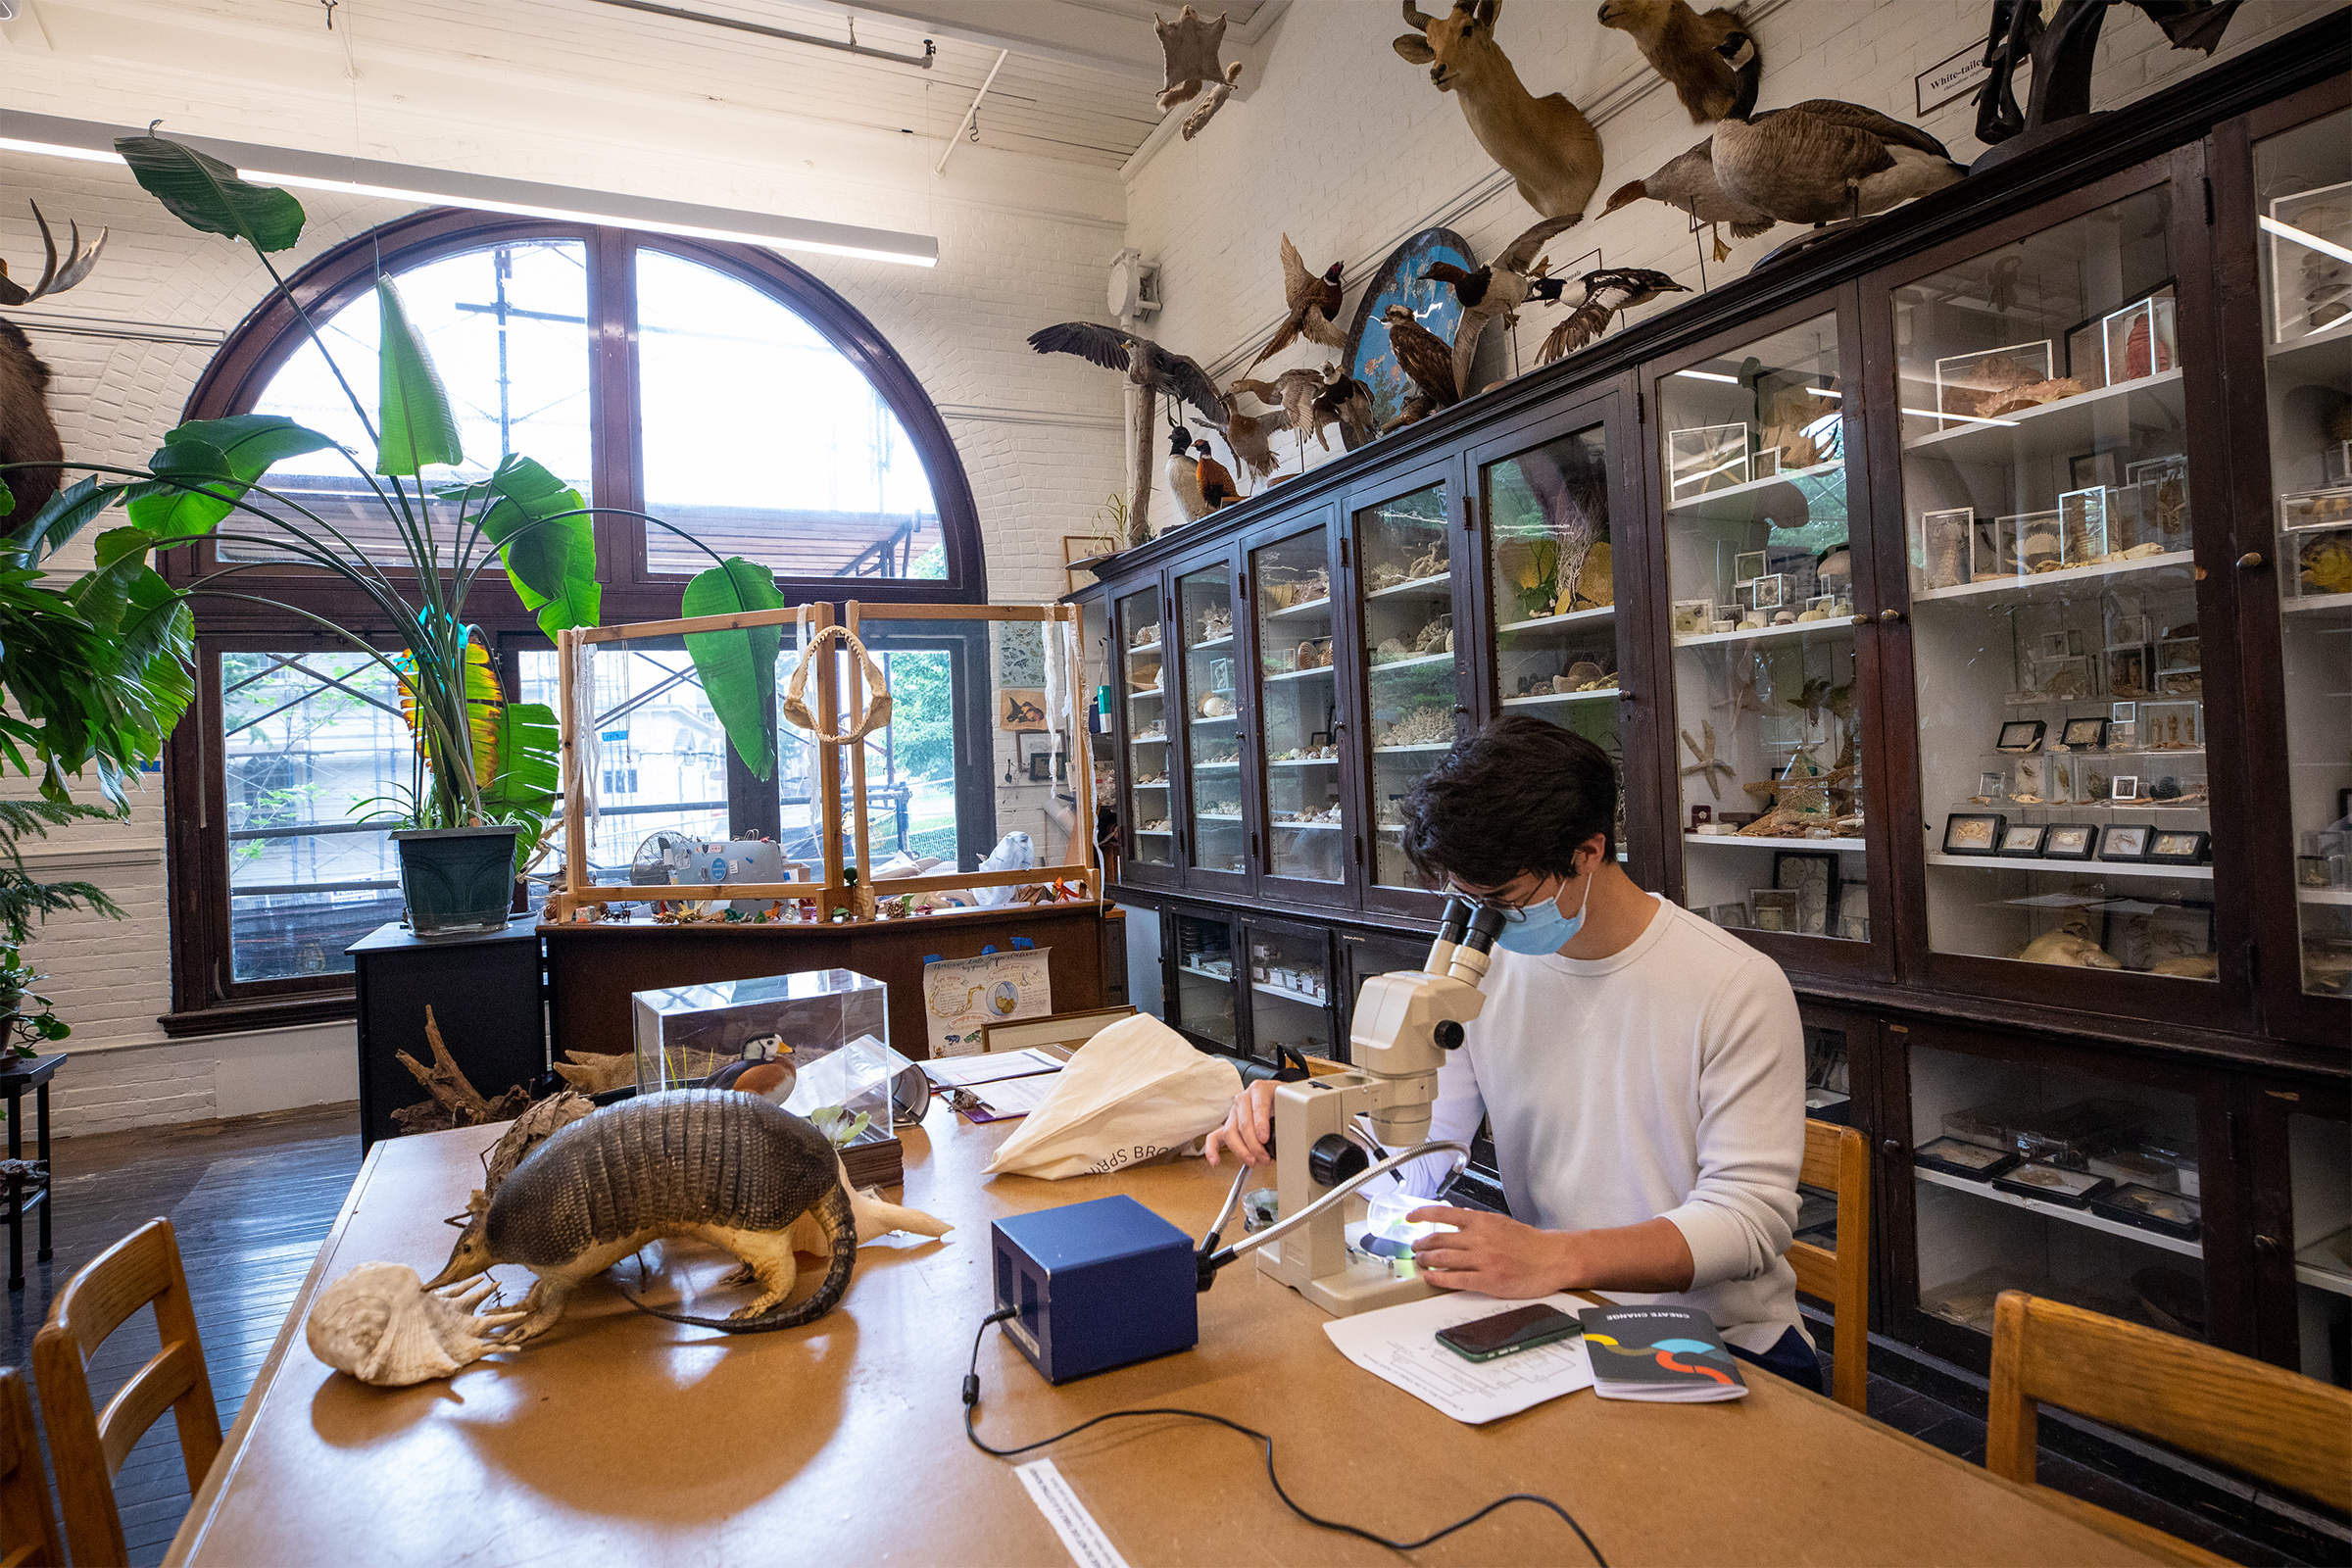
x=59, y=138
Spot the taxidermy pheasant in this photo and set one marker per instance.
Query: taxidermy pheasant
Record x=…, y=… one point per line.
x=1495, y=291
x=1216, y=481
x=1154, y=370
x=1688, y=182
x=1427, y=360
x=1823, y=160
x=1681, y=46
x=1606, y=292
x=1189, y=45
x=1184, y=474
x=1314, y=306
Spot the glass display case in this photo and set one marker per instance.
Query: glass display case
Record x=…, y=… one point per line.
x=1553, y=576
x=1150, y=819
x=1362, y=956
x=1413, y=688
x=2055, y=645
x=1213, y=724
x=1761, y=620
x=1292, y=1000
x=2303, y=189
x=1200, y=1001
x=1298, y=707
x=2319, y=1154
x=2055, y=1180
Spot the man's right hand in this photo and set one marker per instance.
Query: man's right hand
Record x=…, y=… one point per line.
x=1248, y=1126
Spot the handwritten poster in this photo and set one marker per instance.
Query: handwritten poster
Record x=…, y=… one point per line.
x=959, y=995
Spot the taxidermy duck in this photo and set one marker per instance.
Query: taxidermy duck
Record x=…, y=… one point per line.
x=1313, y=399
x=1184, y=474
x=765, y=1069
x=1314, y=306
x=1346, y=402
x=1215, y=480
x=1606, y=292
x=1427, y=359
x=1251, y=436
x=1681, y=46
x=1823, y=160
x=1494, y=291
x=1688, y=182
x=1154, y=370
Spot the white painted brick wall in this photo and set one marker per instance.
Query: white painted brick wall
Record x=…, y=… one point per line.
x=1350, y=149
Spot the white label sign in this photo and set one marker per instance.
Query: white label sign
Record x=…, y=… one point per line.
x=1956, y=78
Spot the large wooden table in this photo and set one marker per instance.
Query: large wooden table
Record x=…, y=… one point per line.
x=621, y=1438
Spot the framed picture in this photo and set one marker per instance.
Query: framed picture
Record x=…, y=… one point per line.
x=2083, y=734
x=1692, y=616
x=2033, y=779
x=1731, y=916
x=1711, y=457
x=2095, y=470
x=1774, y=909
x=2025, y=839
x=1956, y=1157
x=2169, y=726
x=2028, y=542
x=2083, y=526
x=1974, y=832
x=1944, y=542
x=2087, y=354
x=1747, y=565
x=1813, y=878
x=1020, y=711
x=2177, y=847
x=2019, y=735
x=1061, y=767
x=2141, y=339
x=1035, y=753
x=2068, y=1188
x=1990, y=787
x=1220, y=674
x=1041, y=768
x=2125, y=844
x=1402, y=281
x=1318, y=738
x=2127, y=673
x=1767, y=592
x=2053, y=645
x=2129, y=631
x=2070, y=840
x=1967, y=384
x=2124, y=787
x=2122, y=713
x=1080, y=554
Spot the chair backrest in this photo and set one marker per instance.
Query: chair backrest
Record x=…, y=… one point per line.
x=2291, y=1431
x=86, y=1447
x=27, y=1528
x=1839, y=1158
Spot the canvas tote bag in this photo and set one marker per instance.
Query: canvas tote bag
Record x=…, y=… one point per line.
x=1133, y=1090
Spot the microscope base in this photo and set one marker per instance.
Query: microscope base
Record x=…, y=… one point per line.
x=1362, y=1286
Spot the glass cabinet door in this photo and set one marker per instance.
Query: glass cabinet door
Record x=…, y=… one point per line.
x=2319, y=1152
x=2303, y=187
x=1306, y=833
x=2055, y=643
x=1411, y=690
x=1362, y=956
x=1151, y=825
x=1290, y=989
x=1213, y=723
x=1552, y=573
x=1760, y=580
x=1200, y=1001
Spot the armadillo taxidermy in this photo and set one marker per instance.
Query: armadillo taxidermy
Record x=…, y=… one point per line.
x=719, y=1166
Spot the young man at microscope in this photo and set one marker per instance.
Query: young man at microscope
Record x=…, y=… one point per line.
x=1643, y=1070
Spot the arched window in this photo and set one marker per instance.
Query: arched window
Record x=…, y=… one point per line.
x=716, y=387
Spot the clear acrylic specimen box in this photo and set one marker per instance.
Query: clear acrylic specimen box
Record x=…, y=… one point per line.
x=833, y=1025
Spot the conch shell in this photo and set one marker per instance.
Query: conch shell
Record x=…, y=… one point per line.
x=382, y=1326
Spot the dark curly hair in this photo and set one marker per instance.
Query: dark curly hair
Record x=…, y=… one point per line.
x=1519, y=796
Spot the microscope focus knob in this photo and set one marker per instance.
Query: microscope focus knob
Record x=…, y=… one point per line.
x=1447, y=1034
x=1333, y=1159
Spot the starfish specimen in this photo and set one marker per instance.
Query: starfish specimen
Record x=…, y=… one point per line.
x=1742, y=698
x=1707, y=765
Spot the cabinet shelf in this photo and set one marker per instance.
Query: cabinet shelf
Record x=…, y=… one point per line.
x=2324, y=895
x=1310, y=827
x=1773, y=842
x=1738, y=503
x=2319, y=1273
x=1150, y=784
x=2073, y=1216
x=1607, y=692
x=2066, y=425
x=1149, y=691
x=1216, y=816
x=1218, y=767
x=1304, y=762
x=1154, y=833
x=1421, y=746
x=1207, y=719
x=1418, y=661
x=1440, y=586
x=1573, y=618
x=2055, y=584
x=1299, y=674
x=2330, y=607
x=1149, y=740
x=1283, y=993
x=2120, y=868
x=1317, y=608
x=1204, y=975
x=1225, y=640
x=1143, y=648
x=1837, y=625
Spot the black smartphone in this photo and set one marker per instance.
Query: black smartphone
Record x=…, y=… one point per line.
x=1522, y=1328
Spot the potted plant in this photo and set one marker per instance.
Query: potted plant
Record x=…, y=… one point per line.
x=485, y=776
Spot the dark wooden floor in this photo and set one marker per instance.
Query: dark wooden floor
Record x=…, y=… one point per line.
x=249, y=1200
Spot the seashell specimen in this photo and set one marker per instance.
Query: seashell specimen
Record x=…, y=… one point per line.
x=2192, y=966
x=382, y=1326
x=1582, y=673
x=1215, y=705
x=2066, y=947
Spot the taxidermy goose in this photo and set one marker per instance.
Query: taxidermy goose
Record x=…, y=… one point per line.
x=1681, y=45
x=1606, y=292
x=1427, y=360
x=1154, y=370
x=1184, y=474
x=1314, y=306
x=1215, y=480
x=1494, y=290
x=1823, y=160
x=1689, y=183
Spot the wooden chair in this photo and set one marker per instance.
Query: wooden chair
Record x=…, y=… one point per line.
x=87, y=1447
x=2280, y=1427
x=1839, y=1158
x=27, y=1530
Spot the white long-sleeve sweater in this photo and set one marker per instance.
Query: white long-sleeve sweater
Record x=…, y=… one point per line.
x=1667, y=1079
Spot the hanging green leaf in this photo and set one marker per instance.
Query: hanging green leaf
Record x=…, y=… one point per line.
x=8, y=499
x=738, y=667
x=415, y=428
x=65, y=514
x=205, y=193
x=550, y=556
x=236, y=451
x=531, y=774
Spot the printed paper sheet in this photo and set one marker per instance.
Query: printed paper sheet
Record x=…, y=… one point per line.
x=1399, y=1343
x=959, y=995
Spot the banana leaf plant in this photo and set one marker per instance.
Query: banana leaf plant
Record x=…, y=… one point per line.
x=479, y=759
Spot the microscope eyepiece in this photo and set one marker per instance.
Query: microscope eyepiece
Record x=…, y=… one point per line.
x=1456, y=921
x=1485, y=927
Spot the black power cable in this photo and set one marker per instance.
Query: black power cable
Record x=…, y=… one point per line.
x=971, y=1417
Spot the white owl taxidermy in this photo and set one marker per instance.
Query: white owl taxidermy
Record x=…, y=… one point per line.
x=1191, y=43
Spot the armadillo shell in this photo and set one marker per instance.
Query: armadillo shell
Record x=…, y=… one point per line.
x=690, y=1156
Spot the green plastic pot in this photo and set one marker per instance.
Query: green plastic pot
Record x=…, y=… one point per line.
x=458, y=881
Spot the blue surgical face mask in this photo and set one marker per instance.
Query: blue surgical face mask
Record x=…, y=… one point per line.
x=1542, y=928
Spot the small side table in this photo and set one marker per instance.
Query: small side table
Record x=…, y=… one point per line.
x=16, y=1076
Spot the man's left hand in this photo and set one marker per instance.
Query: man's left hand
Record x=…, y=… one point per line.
x=1492, y=1254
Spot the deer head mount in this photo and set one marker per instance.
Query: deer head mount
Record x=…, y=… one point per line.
x=54, y=279
x=1544, y=144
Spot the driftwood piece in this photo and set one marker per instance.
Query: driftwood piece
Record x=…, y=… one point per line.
x=453, y=1100
x=592, y=1072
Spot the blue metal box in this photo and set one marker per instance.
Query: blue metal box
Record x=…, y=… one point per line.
x=1095, y=1285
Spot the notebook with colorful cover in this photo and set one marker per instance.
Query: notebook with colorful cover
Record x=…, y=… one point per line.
x=1658, y=1352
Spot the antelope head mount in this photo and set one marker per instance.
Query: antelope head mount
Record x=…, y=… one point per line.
x=1545, y=144
x=54, y=278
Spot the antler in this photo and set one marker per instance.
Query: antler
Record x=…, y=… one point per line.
x=54, y=278
x=1414, y=19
